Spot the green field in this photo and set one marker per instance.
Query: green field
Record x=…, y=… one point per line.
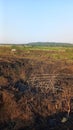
x=38, y=52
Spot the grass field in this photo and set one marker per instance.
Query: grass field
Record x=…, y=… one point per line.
x=38, y=52
x=36, y=87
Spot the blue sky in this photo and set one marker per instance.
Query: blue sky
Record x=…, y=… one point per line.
x=24, y=21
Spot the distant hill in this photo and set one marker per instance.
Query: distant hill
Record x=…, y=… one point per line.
x=49, y=44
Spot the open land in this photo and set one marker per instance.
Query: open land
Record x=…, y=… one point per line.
x=36, y=87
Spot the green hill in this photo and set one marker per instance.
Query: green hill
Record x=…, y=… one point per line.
x=50, y=44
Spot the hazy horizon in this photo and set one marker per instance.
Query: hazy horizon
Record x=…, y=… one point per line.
x=36, y=42
x=36, y=21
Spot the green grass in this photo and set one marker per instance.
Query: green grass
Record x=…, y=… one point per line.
x=38, y=52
